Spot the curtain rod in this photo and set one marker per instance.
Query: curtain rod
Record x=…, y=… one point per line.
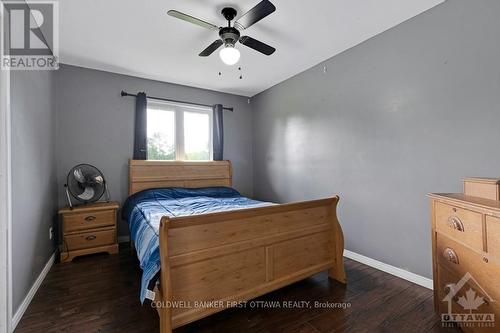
x=124, y=93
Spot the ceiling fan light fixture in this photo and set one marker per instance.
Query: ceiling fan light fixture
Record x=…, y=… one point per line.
x=230, y=35
x=229, y=55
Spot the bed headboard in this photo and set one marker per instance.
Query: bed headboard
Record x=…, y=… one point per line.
x=154, y=174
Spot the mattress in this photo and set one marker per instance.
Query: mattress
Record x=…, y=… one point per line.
x=144, y=210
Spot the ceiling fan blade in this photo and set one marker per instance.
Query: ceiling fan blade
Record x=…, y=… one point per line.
x=254, y=15
x=211, y=48
x=191, y=19
x=257, y=45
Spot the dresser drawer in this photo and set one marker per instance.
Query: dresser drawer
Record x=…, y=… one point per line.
x=461, y=260
x=463, y=225
x=456, y=257
x=493, y=237
x=450, y=291
x=90, y=239
x=84, y=221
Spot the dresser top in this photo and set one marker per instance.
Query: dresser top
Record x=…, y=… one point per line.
x=462, y=198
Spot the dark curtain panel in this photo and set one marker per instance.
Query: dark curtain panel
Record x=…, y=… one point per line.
x=140, y=129
x=218, y=137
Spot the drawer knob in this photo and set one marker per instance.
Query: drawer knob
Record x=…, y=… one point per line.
x=91, y=237
x=450, y=255
x=455, y=223
x=90, y=218
x=485, y=260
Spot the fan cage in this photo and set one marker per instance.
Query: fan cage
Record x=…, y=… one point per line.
x=71, y=180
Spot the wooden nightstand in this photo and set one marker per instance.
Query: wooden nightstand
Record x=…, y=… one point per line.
x=89, y=229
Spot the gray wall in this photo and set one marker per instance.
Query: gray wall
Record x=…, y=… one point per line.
x=95, y=125
x=408, y=112
x=34, y=182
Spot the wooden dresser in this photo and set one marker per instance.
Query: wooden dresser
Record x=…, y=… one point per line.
x=89, y=229
x=466, y=256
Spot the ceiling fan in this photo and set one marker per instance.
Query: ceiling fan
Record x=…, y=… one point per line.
x=231, y=34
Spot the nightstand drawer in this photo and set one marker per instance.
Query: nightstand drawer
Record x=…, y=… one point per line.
x=460, y=224
x=90, y=239
x=90, y=220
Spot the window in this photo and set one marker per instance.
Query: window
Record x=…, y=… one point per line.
x=179, y=132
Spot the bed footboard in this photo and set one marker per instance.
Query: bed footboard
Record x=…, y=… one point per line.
x=213, y=261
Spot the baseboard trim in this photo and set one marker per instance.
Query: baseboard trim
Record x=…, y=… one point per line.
x=16, y=318
x=396, y=271
x=123, y=239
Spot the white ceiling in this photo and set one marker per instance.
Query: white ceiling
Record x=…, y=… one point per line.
x=138, y=37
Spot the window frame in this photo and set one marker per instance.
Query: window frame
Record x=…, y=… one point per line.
x=179, y=109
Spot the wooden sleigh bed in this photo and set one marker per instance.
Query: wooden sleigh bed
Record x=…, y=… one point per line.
x=229, y=257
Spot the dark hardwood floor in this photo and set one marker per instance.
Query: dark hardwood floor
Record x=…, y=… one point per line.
x=100, y=294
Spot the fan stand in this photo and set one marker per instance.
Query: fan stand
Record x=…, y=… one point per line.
x=68, y=197
x=108, y=196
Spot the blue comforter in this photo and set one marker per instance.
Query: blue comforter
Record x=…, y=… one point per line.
x=144, y=210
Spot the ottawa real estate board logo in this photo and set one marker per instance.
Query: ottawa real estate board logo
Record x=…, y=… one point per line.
x=467, y=305
x=30, y=35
